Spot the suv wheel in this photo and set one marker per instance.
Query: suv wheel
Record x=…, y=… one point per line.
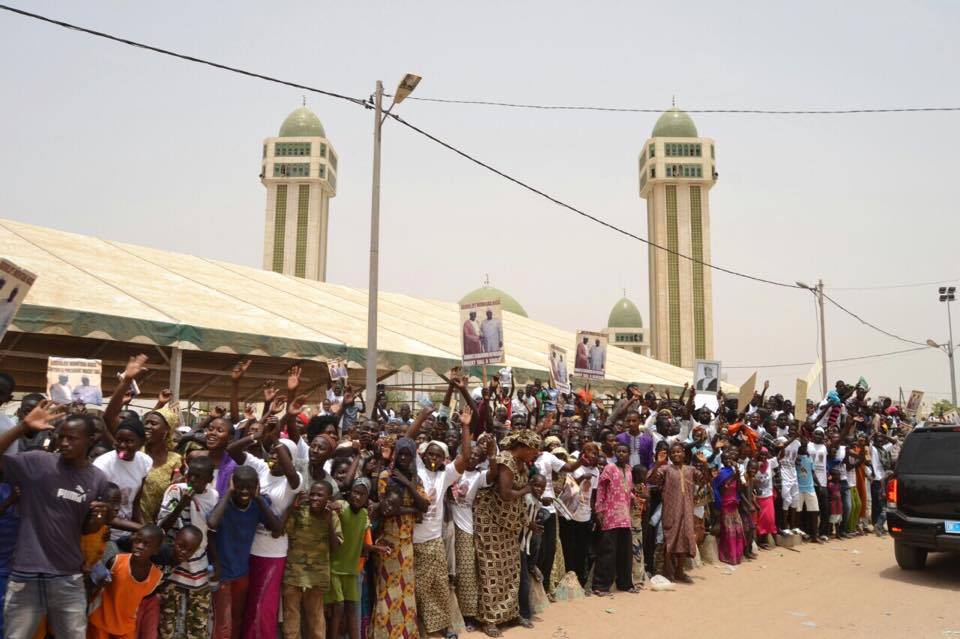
x=909, y=557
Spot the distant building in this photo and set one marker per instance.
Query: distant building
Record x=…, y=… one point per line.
x=299, y=169
x=677, y=171
x=625, y=328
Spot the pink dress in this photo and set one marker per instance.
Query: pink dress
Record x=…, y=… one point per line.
x=732, y=539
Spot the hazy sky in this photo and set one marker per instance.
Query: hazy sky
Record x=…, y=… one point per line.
x=103, y=139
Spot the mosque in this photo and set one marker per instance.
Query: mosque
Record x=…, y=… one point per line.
x=677, y=169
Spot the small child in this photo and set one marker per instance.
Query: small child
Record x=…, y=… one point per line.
x=641, y=495
x=749, y=508
x=836, y=501
x=233, y=524
x=313, y=531
x=530, y=544
x=185, y=609
x=808, y=493
x=132, y=578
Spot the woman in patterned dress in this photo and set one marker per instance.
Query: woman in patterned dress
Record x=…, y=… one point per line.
x=498, y=518
x=401, y=498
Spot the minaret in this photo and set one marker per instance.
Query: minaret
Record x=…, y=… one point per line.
x=299, y=169
x=677, y=170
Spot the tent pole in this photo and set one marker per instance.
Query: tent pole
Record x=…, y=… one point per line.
x=176, y=366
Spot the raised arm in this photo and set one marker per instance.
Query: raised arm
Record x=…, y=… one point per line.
x=421, y=417
x=505, y=485
x=465, y=441
x=111, y=415
x=235, y=376
x=163, y=399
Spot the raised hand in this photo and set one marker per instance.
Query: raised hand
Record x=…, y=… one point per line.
x=293, y=379
x=135, y=366
x=239, y=369
x=165, y=396
x=42, y=414
x=269, y=391
x=219, y=411
x=466, y=415
x=296, y=406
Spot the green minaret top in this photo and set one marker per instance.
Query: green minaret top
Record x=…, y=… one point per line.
x=302, y=123
x=675, y=124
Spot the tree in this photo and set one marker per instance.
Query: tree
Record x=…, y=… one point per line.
x=941, y=407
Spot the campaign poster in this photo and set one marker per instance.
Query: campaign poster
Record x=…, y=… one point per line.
x=800, y=400
x=591, y=355
x=14, y=284
x=913, y=404
x=74, y=380
x=338, y=370
x=559, y=377
x=481, y=332
x=706, y=376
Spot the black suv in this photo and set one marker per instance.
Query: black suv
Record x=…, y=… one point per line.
x=923, y=496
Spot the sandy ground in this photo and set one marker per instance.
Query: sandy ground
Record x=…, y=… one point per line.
x=847, y=589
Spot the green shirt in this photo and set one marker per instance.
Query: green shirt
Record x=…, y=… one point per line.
x=346, y=559
x=308, y=556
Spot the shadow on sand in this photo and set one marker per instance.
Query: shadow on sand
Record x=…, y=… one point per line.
x=942, y=572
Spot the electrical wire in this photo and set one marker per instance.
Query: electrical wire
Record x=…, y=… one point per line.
x=558, y=107
x=580, y=212
x=890, y=286
x=181, y=56
x=833, y=361
x=873, y=326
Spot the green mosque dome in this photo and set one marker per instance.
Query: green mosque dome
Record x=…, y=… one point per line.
x=675, y=124
x=484, y=293
x=625, y=314
x=302, y=123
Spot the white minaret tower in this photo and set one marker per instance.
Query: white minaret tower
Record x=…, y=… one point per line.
x=677, y=170
x=299, y=169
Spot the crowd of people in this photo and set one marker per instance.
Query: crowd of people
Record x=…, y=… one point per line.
x=311, y=520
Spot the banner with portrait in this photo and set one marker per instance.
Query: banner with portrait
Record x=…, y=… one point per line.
x=559, y=377
x=706, y=376
x=481, y=332
x=590, y=355
x=74, y=380
x=913, y=404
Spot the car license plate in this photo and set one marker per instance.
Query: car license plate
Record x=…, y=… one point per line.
x=952, y=527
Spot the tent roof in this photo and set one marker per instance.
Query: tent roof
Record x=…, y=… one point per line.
x=93, y=288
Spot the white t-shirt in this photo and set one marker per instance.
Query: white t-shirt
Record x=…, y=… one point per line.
x=818, y=455
x=281, y=495
x=583, y=511
x=765, y=479
x=464, y=493
x=875, y=461
x=547, y=464
x=6, y=423
x=788, y=465
x=435, y=484
x=128, y=475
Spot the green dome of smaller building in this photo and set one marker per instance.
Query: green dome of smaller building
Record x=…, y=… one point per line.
x=625, y=314
x=302, y=123
x=675, y=124
x=484, y=293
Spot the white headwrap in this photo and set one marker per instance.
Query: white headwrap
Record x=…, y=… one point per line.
x=433, y=442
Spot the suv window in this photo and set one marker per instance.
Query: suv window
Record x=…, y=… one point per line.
x=931, y=453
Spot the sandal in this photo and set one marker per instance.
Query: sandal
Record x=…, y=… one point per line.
x=601, y=593
x=634, y=590
x=450, y=634
x=526, y=623
x=492, y=631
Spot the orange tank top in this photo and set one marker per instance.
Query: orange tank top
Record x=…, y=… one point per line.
x=117, y=613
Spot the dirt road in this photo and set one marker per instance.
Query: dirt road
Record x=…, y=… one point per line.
x=849, y=589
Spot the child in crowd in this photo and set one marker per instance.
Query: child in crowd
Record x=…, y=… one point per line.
x=313, y=531
x=534, y=516
x=233, y=525
x=808, y=494
x=132, y=578
x=731, y=539
x=836, y=501
x=748, y=508
x=614, y=516
x=641, y=495
x=185, y=608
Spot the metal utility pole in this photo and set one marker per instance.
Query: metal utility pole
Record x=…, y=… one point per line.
x=407, y=85
x=818, y=293
x=948, y=295
x=374, y=286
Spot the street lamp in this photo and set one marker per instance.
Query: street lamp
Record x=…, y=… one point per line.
x=406, y=87
x=947, y=294
x=818, y=293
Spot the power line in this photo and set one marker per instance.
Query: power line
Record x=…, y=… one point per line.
x=580, y=212
x=873, y=326
x=835, y=361
x=890, y=286
x=560, y=107
x=181, y=56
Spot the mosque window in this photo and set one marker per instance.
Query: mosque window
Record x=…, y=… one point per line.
x=635, y=338
x=300, y=169
x=323, y=171
x=323, y=150
x=333, y=160
x=713, y=155
x=286, y=149
x=332, y=179
x=643, y=160
x=279, y=227
x=303, y=219
x=653, y=171
x=685, y=170
x=264, y=150
x=683, y=149
x=653, y=150
x=673, y=276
